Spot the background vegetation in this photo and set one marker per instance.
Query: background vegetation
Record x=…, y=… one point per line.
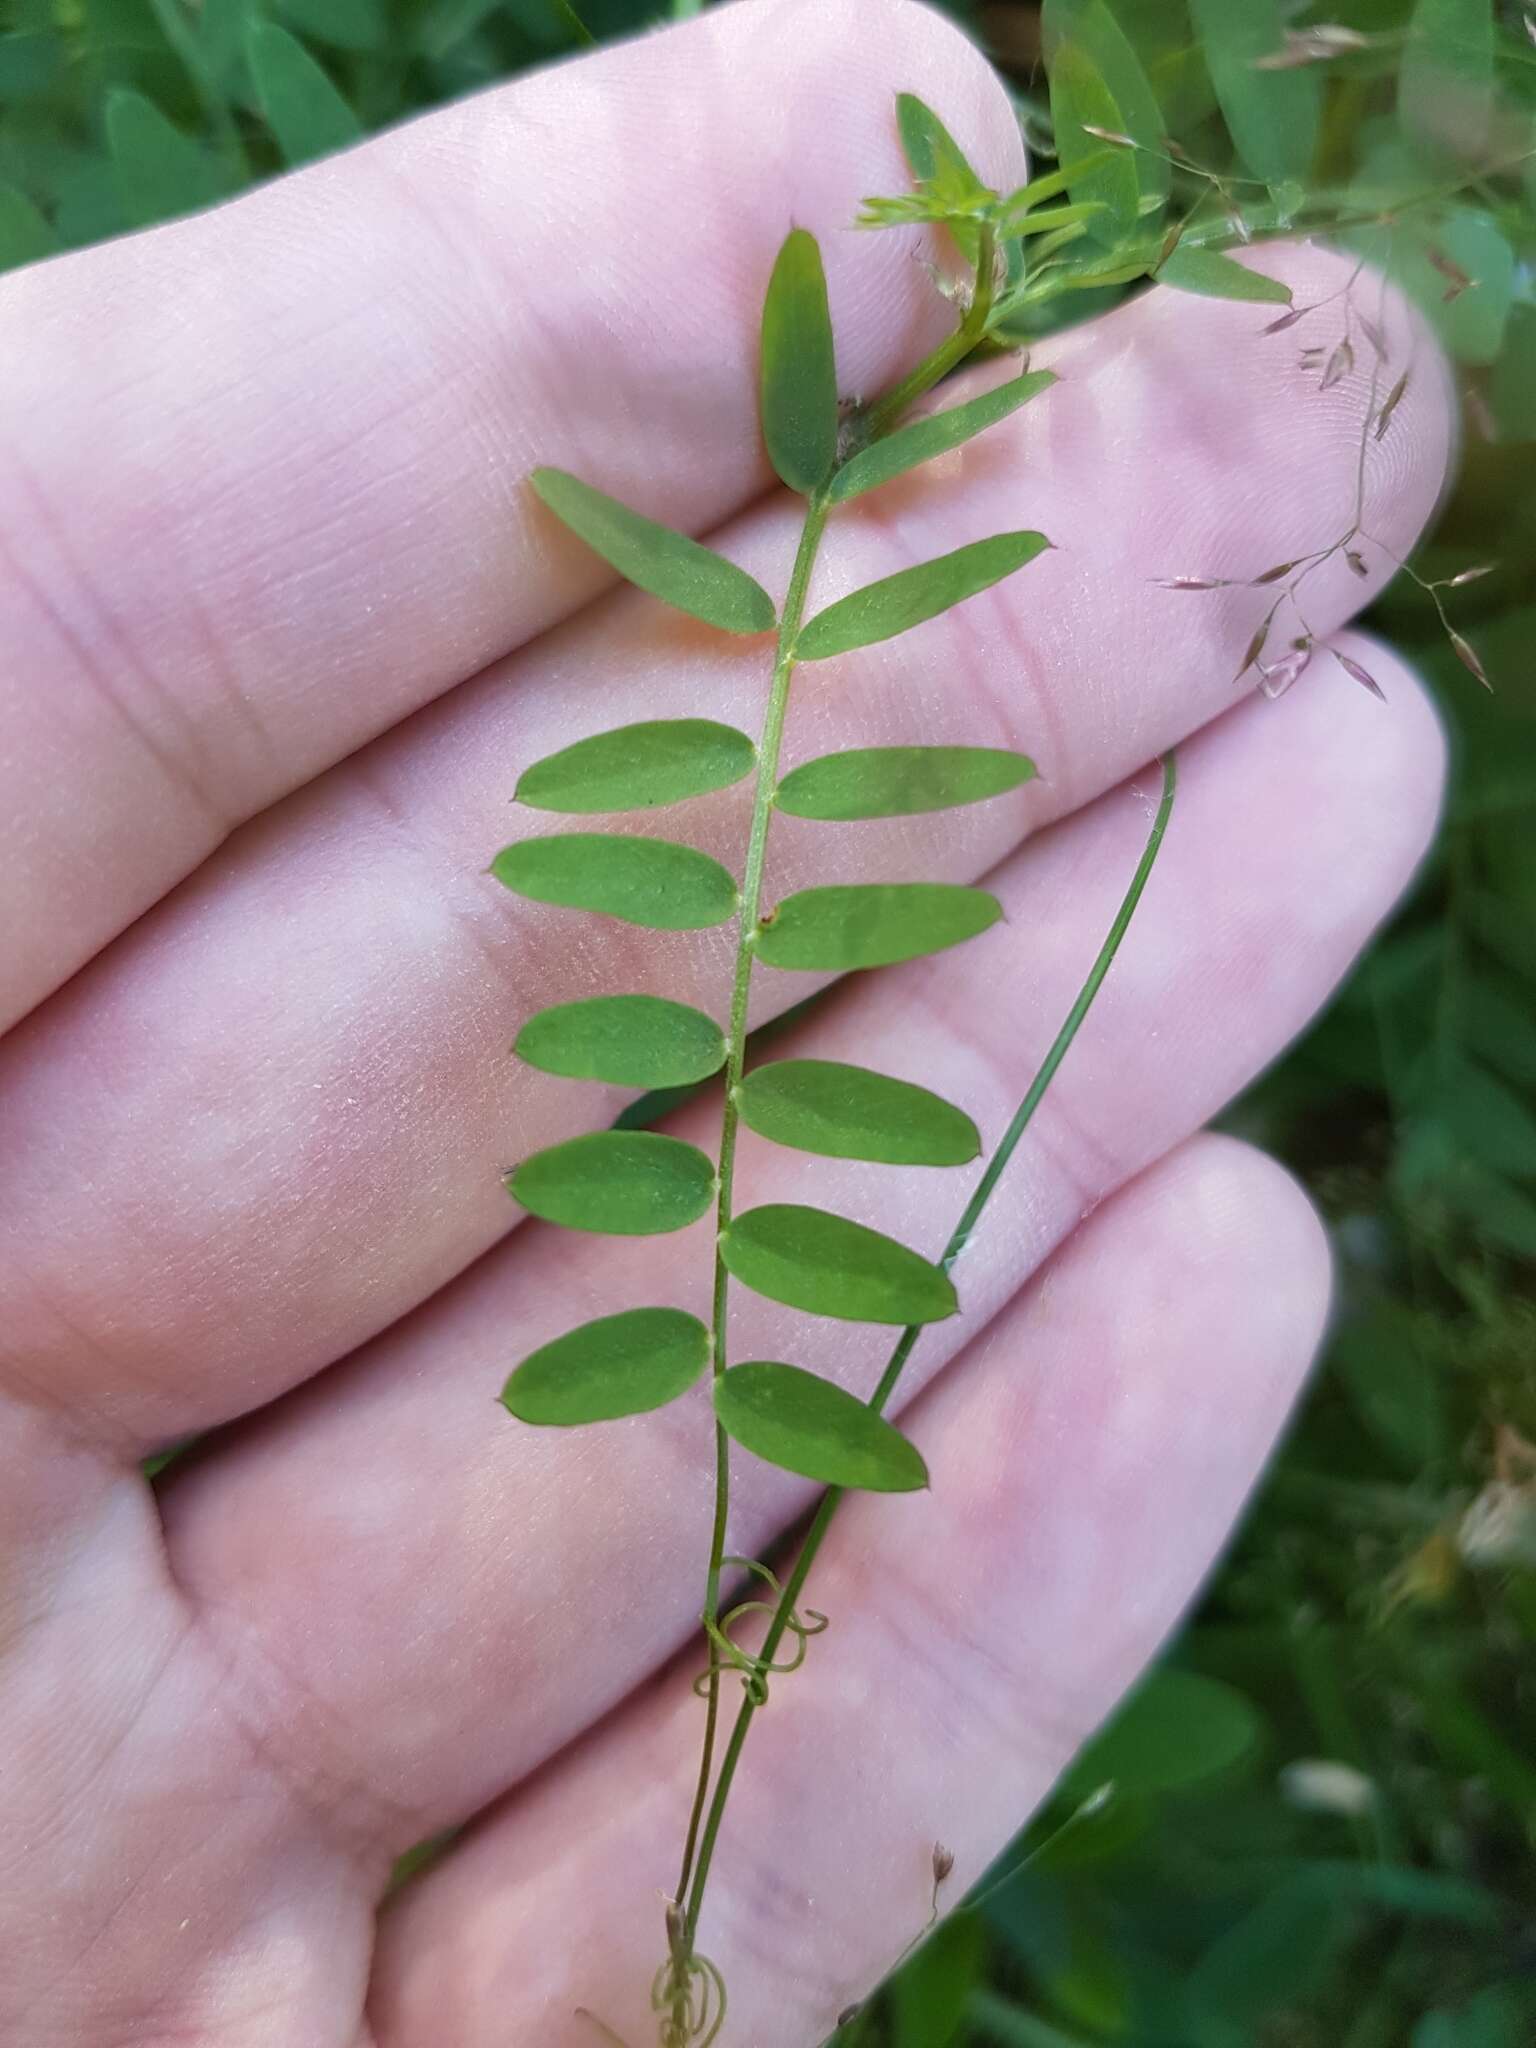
x=1324, y=1814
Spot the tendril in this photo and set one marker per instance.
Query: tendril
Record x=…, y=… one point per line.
x=690, y=1992
x=727, y=1653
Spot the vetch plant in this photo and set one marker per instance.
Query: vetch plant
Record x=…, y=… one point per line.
x=641, y=1182
x=1098, y=220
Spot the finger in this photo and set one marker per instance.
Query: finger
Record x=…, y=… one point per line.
x=390, y=1526
x=283, y=505
x=281, y=1109
x=1088, y=1458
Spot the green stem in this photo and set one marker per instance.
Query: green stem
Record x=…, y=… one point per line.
x=950, y=354
x=736, y=1045
x=959, y=1238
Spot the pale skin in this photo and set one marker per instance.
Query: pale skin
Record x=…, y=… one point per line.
x=282, y=624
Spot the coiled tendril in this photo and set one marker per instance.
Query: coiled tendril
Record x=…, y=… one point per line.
x=726, y=1653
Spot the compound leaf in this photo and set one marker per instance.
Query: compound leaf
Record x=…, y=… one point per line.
x=619, y=1365
x=668, y=564
x=896, y=603
x=805, y=1424
x=636, y=767
x=650, y=882
x=799, y=373
x=896, y=782
x=924, y=439
x=830, y=1266
x=847, y=1112
x=628, y=1041
x=872, y=924
x=620, y=1183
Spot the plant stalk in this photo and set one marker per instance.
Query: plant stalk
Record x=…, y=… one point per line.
x=959, y=1238
x=769, y=749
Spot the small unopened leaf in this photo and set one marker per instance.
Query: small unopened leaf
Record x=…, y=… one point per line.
x=872, y=924
x=799, y=1421
x=160, y=171
x=621, y=1183
x=1214, y=276
x=896, y=603
x=304, y=110
x=1085, y=114
x=650, y=882
x=635, y=767
x=799, y=373
x=896, y=782
x=657, y=558
x=619, y=1365
x=830, y=1266
x=926, y=438
x=627, y=1041
x=850, y=1112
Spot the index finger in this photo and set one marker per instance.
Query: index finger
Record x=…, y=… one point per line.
x=264, y=466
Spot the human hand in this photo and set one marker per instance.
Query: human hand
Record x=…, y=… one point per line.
x=282, y=626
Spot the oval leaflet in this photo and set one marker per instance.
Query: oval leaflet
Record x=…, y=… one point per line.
x=637, y=767
x=797, y=1420
x=650, y=882
x=620, y=1183
x=831, y=1266
x=872, y=924
x=848, y=1112
x=618, y=1365
x=628, y=1041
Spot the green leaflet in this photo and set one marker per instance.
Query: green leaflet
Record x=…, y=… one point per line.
x=1272, y=115
x=1214, y=276
x=850, y=1112
x=923, y=439
x=1445, y=86
x=666, y=563
x=650, y=882
x=25, y=236
x=636, y=767
x=872, y=924
x=798, y=392
x=1091, y=24
x=628, y=1041
x=897, y=603
x=620, y=1183
x=348, y=24
x=1176, y=1728
x=1081, y=102
x=830, y=1266
x=307, y=115
x=804, y=1423
x=619, y=1365
x=160, y=171
x=896, y=782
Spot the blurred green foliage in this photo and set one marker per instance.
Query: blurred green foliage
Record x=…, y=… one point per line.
x=1321, y=1814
